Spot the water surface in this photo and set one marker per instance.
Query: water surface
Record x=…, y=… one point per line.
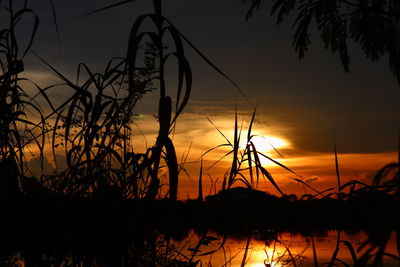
x=266, y=248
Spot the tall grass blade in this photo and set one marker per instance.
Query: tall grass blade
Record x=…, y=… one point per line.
x=34, y=28
x=315, y=257
x=105, y=8
x=250, y=163
x=209, y=62
x=276, y=150
x=248, y=150
x=185, y=70
x=236, y=138
x=53, y=10
x=271, y=179
x=335, y=253
x=352, y=251
x=256, y=161
x=227, y=140
x=390, y=255
x=337, y=168
x=200, y=197
x=249, y=136
x=172, y=163
x=244, y=259
x=279, y=164
x=354, y=183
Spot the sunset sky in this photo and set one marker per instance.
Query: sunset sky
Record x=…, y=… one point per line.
x=303, y=107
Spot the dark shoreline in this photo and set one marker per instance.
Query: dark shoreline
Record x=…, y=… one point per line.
x=104, y=228
x=365, y=211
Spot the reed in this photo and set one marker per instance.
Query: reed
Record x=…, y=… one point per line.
x=246, y=166
x=337, y=169
x=17, y=129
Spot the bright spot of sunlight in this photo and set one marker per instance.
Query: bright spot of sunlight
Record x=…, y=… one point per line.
x=266, y=143
x=260, y=255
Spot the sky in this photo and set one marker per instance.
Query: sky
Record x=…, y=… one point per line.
x=303, y=107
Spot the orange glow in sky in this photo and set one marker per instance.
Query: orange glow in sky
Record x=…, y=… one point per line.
x=194, y=135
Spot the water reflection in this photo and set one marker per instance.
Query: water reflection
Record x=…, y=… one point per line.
x=260, y=248
x=330, y=248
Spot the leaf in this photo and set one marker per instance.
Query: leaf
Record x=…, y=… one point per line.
x=53, y=10
x=271, y=179
x=352, y=250
x=337, y=168
x=105, y=8
x=209, y=62
x=172, y=163
x=279, y=164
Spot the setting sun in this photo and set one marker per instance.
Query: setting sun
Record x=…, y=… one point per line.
x=266, y=143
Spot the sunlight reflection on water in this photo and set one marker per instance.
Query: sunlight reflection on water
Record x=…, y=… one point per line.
x=294, y=249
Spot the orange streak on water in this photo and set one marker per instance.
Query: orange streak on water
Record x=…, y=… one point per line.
x=262, y=253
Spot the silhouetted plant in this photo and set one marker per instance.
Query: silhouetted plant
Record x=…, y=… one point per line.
x=373, y=25
x=387, y=178
x=168, y=112
x=12, y=95
x=371, y=252
x=22, y=121
x=93, y=127
x=246, y=160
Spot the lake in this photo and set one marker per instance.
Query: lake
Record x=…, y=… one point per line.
x=268, y=248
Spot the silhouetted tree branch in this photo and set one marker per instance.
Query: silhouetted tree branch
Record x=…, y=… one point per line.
x=373, y=24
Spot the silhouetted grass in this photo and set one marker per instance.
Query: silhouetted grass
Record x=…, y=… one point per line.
x=14, y=102
x=245, y=160
x=101, y=208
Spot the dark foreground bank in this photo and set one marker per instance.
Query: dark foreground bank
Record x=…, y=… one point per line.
x=44, y=228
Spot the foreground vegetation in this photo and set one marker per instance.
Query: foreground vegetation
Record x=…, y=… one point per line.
x=106, y=207
x=43, y=229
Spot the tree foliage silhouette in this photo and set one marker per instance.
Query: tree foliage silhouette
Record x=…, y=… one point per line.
x=372, y=24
